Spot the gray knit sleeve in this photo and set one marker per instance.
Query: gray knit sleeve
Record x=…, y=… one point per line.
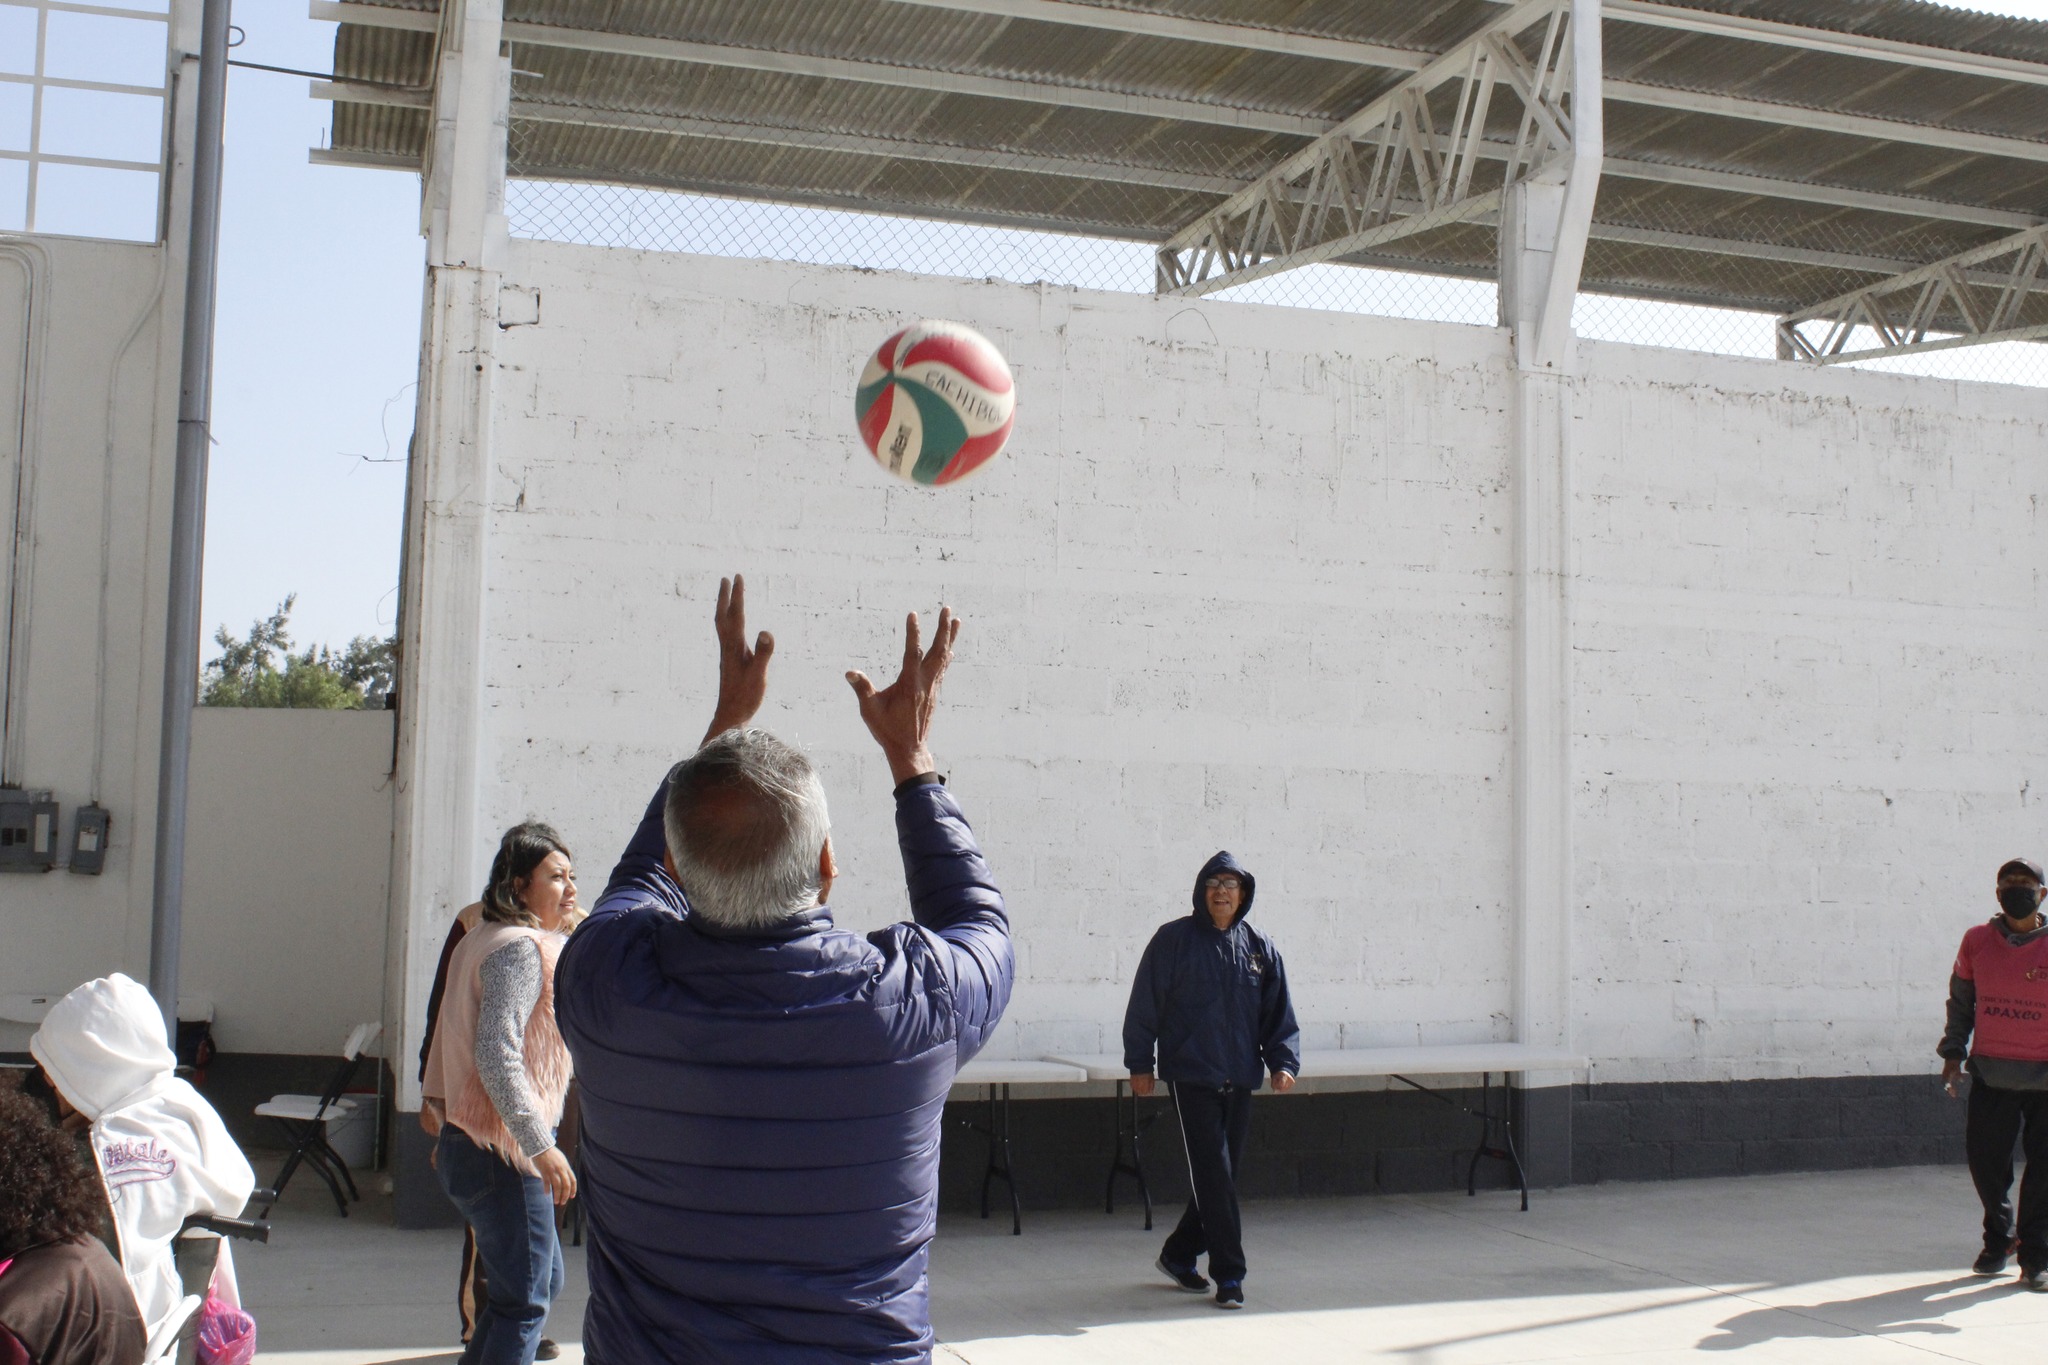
x=511, y=991
x=1962, y=1019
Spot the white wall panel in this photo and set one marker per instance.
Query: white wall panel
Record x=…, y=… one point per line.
x=288, y=872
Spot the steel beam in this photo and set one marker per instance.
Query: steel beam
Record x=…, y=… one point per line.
x=1969, y=299
x=1146, y=23
x=100, y=162
x=1809, y=192
x=387, y=96
x=105, y=11
x=375, y=161
x=1761, y=251
x=373, y=16
x=1825, y=120
x=62, y=83
x=877, y=145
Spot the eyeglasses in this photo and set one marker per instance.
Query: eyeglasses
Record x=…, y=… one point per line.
x=1222, y=883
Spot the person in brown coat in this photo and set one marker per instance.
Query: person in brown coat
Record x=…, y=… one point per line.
x=63, y=1298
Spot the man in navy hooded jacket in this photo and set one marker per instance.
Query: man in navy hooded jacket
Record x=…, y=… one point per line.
x=1211, y=998
x=762, y=1092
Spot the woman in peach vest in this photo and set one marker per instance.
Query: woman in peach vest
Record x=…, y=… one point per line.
x=497, y=1073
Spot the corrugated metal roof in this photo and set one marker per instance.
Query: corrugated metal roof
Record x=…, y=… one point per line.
x=882, y=138
x=1904, y=21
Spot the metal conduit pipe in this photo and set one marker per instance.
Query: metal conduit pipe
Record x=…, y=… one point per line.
x=188, y=513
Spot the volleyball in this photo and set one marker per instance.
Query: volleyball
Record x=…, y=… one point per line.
x=935, y=403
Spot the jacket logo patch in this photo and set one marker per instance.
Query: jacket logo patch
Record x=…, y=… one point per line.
x=132, y=1162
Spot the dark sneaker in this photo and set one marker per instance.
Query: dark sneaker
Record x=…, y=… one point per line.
x=2035, y=1278
x=1187, y=1278
x=1989, y=1262
x=1229, y=1294
x=547, y=1350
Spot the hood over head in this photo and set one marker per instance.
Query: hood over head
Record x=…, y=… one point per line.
x=1224, y=861
x=102, y=1043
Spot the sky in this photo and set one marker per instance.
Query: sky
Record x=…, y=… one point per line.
x=316, y=349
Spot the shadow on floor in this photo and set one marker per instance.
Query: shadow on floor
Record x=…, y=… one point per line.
x=1913, y=1310
x=1595, y=1256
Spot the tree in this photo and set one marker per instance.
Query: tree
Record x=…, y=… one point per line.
x=248, y=672
x=370, y=666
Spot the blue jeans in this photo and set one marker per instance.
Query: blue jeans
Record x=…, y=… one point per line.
x=514, y=1220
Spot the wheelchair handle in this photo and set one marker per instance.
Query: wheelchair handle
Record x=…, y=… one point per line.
x=244, y=1229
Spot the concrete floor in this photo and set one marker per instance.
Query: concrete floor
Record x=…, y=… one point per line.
x=1864, y=1266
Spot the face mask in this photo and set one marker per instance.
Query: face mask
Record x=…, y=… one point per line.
x=2020, y=902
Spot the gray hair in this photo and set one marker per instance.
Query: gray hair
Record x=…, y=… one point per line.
x=746, y=821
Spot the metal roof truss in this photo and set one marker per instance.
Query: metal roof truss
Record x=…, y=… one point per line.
x=1345, y=191
x=1987, y=294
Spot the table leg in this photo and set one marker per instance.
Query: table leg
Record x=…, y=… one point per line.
x=1125, y=1116
x=1506, y=1151
x=988, y=1171
x=1507, y=1132
x=999, y=1161
x=1479, y=1148
x=1010, y=1172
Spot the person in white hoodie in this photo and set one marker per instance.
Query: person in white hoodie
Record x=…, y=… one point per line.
x=162, y=1150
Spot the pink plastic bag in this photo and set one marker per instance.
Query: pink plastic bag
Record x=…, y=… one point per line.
x=227, y=1335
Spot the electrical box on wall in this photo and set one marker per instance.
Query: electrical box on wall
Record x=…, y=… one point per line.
x=89, y=829
x=28, y=831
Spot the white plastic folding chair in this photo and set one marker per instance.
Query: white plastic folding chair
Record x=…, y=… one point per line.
x=305, y=1118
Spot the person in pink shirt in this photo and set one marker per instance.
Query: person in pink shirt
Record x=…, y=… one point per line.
x=1998, y=992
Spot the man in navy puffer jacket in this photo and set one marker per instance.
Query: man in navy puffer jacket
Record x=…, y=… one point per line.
x=1211, y=997
x=762, y=1092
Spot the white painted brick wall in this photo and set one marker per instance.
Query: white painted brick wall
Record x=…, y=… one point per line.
x=1242, y=580
x=1807, y=619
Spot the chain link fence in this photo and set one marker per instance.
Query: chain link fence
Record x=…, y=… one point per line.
x=667, y=220
x=1105, y=203
x=1652, y=264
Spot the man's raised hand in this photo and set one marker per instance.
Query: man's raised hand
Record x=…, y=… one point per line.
x=742, y=670
x=900, y=715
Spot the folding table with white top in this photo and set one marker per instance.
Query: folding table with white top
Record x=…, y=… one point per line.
x=1484, y=1060
x=997, y=1076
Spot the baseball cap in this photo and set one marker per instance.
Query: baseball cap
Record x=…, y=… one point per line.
x=2021, y=867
